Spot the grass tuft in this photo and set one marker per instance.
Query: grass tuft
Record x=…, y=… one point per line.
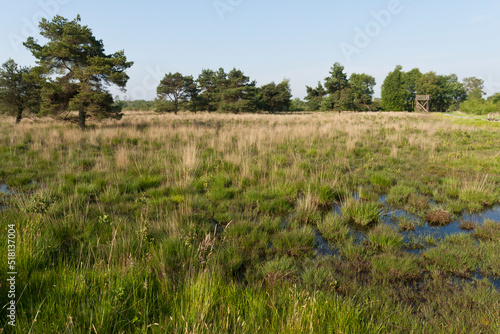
x=438, y=217
x=360, y=212
x=385, y=239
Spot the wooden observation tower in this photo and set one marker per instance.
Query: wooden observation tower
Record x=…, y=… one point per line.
x=423, y=103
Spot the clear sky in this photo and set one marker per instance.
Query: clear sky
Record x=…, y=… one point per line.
x=276, y=39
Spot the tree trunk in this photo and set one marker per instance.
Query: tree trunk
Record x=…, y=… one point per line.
x=81, y=120
x=19, y=115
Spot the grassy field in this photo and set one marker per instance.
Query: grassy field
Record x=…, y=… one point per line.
x=210, y=223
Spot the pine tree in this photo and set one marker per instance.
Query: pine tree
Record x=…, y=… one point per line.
x=79, y=68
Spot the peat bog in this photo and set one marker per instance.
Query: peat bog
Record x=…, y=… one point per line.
x=210, y=223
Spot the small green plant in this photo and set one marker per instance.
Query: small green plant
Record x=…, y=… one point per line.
x=490, y=231
x=38, y=204
x=269, y=224
x=176, y=199
x=306, y=209
x=385, y=239
x=382, y=180
x=451, y=186
x=456, y=206
x=104, y=219
x=406, y=224
x=429, y=240
x=277, y=269
x=417, y=203
x=360, y=212
x=296, y=242
x=367, y=194
x=333, y=227
x=352, y=251
x=318, y=277
x=399, y=194
x=326, y=195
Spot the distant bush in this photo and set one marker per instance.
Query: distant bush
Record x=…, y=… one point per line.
x=480, y=106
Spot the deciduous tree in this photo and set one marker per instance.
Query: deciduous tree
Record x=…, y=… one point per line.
x=473, y=87
x=393, y=91
x=362, y=90
x=410, y=85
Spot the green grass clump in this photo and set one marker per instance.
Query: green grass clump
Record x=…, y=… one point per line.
x=385, y=239
x=396, y=268
x=326, y=195
x=456, y=206
x=479, y=197
x=333, y=227
x=269, y=224
x=479, y=193
x=307, y=209
x=399, y=194
x=278, y=269
x=134, y=185
x=451, y=187
x=368, y=194
x=296, y=242
x=417, y=204
x=490, y=231
x=406, y=224
x=360, y=212
x=248, y=237
x=490, y=263
x=381, y=180
x=254, y=310
x=270, y=201
x=318, y=277
x=352, y=251
x=455, y=255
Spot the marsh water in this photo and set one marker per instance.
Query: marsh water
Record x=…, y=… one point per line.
x=422, y=229
x=4, y=191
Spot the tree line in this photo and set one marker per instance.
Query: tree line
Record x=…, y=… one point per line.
x=399, y=92
x=231, y=92
x=73, y=72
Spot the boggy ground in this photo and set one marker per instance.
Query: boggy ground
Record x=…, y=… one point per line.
x=210, y=223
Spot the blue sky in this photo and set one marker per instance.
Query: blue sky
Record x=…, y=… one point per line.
x=273, y=40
